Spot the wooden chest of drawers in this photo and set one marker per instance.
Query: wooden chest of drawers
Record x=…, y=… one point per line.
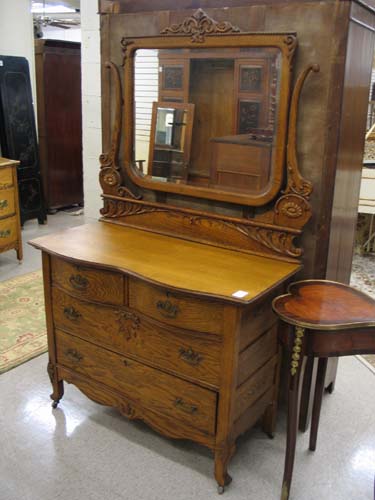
x=190, y=363
x=10, y=230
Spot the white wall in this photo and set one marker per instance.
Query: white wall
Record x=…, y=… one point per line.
x=17, y=33
x=91, y=106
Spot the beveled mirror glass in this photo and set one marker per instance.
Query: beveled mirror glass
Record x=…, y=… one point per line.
x=210, y=120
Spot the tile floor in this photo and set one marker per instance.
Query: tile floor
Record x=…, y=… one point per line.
x=88, y=452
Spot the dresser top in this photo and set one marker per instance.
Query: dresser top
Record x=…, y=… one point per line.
x=5, y=162
x=184, y=265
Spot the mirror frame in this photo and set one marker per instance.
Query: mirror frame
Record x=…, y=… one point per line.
x=285, y=42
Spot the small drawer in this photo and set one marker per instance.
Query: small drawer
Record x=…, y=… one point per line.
x=8, y=231
x=6, y=178
x=176, y=309
x=7, y=206
x=251, y=390
x=257, y=354
x=184, y=353
x=91, y=284
x=153, y=389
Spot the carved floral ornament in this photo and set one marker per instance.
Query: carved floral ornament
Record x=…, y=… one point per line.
x=198, y=26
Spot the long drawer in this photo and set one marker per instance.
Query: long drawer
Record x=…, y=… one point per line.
x=8, y=231
x=182, y=352
x=7, y=206
x=88, y=283
x=175, y=308
x=151, y=388
x=6, y=178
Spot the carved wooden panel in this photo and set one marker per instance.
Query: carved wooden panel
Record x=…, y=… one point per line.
x=248, y=116
x=251, y=78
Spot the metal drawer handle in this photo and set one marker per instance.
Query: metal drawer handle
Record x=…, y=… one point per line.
x=79, y=282
x=191, y=357
x=71, y=314
x=186, y=407
x=74, y=355
x=6, y=233
x=3, y=204
x=5, y=186
x=167, y=308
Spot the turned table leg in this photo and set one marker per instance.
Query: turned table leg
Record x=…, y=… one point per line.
x=319, y=390
x=296, y=357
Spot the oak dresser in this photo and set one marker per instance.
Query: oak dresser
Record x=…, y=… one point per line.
x=165, y=340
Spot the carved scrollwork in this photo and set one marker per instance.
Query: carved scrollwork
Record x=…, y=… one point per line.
x=292, y=210
x=198, y=26
x=128, y=411
x=280, y=242
x=110, y=174
x=118, y=208
x=125, y=44
x=290, y=42
x=129, y=324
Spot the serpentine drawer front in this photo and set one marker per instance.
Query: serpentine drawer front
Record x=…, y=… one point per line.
x=175, y=308
x=127, y=332
x=88, y=283
x=152, y=388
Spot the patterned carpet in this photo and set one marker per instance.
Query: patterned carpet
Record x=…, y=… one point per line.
x=22, y=320
x=363, y=278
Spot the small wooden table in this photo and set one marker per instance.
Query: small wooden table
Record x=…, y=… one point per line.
x=329, y=319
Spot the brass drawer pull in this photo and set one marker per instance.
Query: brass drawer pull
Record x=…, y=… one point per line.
x=71, y=314
x=3, y=204
x=6, y=233
x=191, y=357
x=167, y=309
x=74, y=355
x=186, y=407
x=79, y=282
x=5, y=186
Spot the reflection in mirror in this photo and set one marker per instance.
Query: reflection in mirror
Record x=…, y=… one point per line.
x=208, y=116
x=170, y=141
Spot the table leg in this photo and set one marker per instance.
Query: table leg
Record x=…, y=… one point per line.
x=296, y=358
x=319, y=390
x=305, y=394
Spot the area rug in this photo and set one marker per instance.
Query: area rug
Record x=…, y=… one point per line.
x=22, y=320
x=363, y=278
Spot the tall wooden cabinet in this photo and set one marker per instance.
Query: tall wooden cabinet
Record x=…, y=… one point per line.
x=58, y=80
x=162, y=309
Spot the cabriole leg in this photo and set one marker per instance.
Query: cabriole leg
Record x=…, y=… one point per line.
x=57, y=385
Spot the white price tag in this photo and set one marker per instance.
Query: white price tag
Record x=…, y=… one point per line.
x=240, y=294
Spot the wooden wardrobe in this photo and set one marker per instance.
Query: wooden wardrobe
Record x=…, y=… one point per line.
x=58, y=81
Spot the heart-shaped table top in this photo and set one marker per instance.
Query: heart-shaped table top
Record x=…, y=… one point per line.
x=325, y=305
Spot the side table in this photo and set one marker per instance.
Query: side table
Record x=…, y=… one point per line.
x=328, y=319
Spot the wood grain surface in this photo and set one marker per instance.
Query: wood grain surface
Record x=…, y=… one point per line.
x=182, y=352
x=175, y=263
x=163, y=393
x=86, y=283
x=321, y=305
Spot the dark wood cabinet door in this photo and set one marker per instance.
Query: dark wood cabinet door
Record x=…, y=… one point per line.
x=18, y=134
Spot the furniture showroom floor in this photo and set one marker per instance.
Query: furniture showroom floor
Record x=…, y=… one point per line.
x=89, y=452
